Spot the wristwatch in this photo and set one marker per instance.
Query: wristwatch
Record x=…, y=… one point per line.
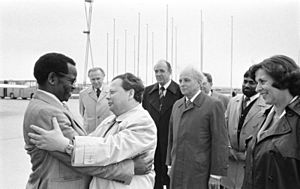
x=69, y=149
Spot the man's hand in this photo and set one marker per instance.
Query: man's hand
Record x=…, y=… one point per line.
x=142, y=164
x=52, y=140
x=169, y=171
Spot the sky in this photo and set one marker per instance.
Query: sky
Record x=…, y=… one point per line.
x=261, y=28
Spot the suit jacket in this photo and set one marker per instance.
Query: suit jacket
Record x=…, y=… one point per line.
x=224, y=99
x=47, y=169
x=161, y=119
x=93, y=110
x=197, y=143
x=251, y=122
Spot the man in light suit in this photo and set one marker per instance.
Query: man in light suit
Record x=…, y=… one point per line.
x=56, y=74
x=198, y=140
x=243, y=115
x=160, y=110
x=93, y=105
x=207, y=88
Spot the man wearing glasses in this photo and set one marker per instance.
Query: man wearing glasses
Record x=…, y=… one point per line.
x=56, y=74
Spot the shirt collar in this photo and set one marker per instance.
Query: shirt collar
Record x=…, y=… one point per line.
x=165, y=85
x=193, y=98
x=50, y=95
x=252, y=97
x=210, y=93
x=96, y=89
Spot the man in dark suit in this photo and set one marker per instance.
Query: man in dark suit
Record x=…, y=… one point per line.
x=158, y=99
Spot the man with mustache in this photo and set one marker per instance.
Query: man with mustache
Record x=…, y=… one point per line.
x=243, y=115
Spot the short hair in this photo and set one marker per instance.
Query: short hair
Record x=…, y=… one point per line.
x=95, y=69
x=131, y=81
x=51, y=62
x=208, y=76
x=197, y=75
x=167, y=63
x=249, y=74
x=283, y=70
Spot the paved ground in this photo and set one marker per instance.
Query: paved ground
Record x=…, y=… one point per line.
x=14, y=161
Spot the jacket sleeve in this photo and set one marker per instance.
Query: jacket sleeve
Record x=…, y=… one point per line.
x=81, y=106
x=138, y=136
x=219, y=140
x=122, y=172
x=170, y=140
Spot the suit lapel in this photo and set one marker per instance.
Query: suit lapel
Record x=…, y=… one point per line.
x=75, y=124
x=92, y=93
x=170, y=97
x=154, y=97
x=103, y=94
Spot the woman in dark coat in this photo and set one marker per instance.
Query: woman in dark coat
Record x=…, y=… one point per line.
x=273, y=154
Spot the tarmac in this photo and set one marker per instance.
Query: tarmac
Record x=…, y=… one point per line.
x=15, y=165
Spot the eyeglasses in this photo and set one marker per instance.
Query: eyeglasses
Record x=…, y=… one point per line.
x=70, y=79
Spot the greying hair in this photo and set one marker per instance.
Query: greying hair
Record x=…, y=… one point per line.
x=197, y=75
x=95, y=69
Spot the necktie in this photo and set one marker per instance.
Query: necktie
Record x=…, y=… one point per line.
x=187, y=103
x=98, y=92
x=161, y=96
x=246, y=99
x=111, y=124
x=161, y=92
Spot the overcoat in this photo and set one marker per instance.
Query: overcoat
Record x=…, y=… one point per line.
x=250, y=126
x=198, y=143
x=161, y=118
x=273, y=161
x=93, y=110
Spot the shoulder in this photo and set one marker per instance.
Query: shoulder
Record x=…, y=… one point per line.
x=178, y=102
x=85, y=91
x=151, y=88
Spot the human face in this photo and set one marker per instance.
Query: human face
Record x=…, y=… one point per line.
x=189, y=86
x=249, y=86
x=162, y=73
x=206, y=86
x=270, y=94
x=118, y=97
x=96, y=78
x=66, y=84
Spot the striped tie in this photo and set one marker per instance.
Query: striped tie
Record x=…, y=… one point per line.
x=161, y=93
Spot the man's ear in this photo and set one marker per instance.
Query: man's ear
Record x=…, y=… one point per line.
x=52, y=78
x=131, y=93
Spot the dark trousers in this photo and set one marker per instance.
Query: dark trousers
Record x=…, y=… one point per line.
x=161, y=176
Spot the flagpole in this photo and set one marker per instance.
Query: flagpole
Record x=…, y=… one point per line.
x=107, y=57
x=152, y=55
x=231, y=55
x=125, y=53
x=138, y=45
x=114, y=41
x=201, y=43
x=167, y=33
x=146, y=54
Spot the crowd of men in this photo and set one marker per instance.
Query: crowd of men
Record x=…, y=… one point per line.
x=186, y=129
